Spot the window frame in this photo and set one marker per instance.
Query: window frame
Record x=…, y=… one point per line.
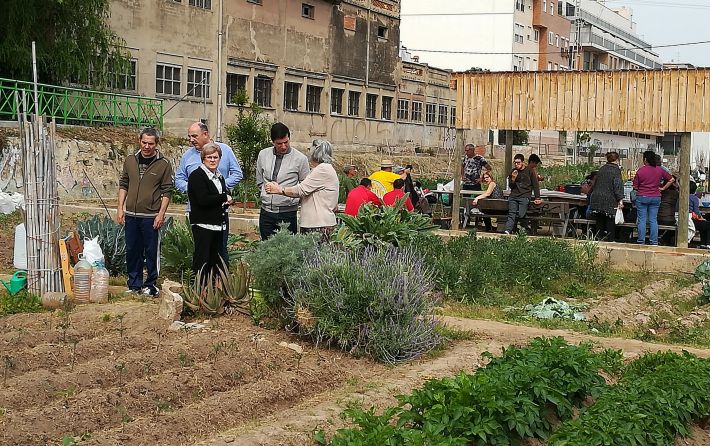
x=198, y=86
x=443, y=114
x=172, y=80
x=201, y=4
x=308, y=11
x=386, y=112
x=228, y=89
x=353, y=103
x=336, y=101
x=313, y=97
x=416, y=113
x=370, y=106
x=261, y=98
x=292, y=90
x=430, y=115
x=402, y=109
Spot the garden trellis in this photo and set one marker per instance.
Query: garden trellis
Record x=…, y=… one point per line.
x=37, y=138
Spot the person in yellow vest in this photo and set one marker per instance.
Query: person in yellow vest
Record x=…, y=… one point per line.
x=386, y=178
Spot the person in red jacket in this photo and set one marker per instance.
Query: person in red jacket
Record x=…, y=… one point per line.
x=395, y=194
x=360, y=195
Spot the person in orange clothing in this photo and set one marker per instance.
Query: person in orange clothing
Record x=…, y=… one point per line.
x=395, y=194
x=360, y=195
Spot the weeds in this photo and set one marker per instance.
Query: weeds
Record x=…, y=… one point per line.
x=120, y=368
x=121, y=329
x=65, y=318
x=8, y=364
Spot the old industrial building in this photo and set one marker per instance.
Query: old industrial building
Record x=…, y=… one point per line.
x=326, y=68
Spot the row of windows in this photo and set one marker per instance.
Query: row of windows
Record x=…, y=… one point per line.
x=307, y=10
x=340, y=103
x=168, y=81
x=403, y=109
x=204, y=4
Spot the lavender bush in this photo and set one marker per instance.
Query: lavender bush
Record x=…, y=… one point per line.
x=372, y=301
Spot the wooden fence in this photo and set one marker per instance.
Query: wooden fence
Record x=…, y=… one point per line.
x=657, y=101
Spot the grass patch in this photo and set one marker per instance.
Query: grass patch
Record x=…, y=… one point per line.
x=22, y=302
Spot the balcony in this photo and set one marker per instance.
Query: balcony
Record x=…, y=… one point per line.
x=596, y=40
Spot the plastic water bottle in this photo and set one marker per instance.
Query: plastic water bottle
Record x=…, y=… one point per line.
x=82, y=281
x=99, y=286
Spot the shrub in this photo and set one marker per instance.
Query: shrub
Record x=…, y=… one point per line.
x=249, y=134
x=112, y=239
x=275, y=263
x=374, y=302
x=381, y=226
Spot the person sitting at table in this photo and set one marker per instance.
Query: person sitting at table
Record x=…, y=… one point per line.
x=492, y=191
x=607, y=195
x=523, y=185
x=702, y=226
x=391, y=197
x=360, y=195
x=667, y=211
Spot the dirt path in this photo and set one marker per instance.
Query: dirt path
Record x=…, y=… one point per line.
x=295, y=426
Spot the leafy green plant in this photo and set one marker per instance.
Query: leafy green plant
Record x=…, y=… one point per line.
x=374, y=302
x=112, y=239
x=516, y=396
x=249, y=134
x=381, y=226
x=21, y=302
x=561, y=175
x=658, y=396
x=277, y=262
x=176, y=248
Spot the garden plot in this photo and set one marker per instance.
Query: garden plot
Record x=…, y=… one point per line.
x=115, y=373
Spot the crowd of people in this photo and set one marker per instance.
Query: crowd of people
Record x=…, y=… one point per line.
x=289, y=180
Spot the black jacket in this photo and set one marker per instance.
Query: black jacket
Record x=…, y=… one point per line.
x=205, y=201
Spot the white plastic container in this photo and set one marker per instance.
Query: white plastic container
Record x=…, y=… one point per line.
x=82, y=281
x=19, y=258
x=99, y=286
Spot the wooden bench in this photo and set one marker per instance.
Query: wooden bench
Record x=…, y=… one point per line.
x=488, y=208
x=548, y=212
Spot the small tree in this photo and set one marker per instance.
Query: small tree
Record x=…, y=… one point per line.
x=250, y=133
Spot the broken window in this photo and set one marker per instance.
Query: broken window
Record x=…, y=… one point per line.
x=336, y=101
x=382, y=32
x=262, y=91
x=313, y=93
x=235, y=82
x=387, y=108
x=291, y=90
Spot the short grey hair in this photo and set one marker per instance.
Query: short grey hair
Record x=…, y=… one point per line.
x=321, y=151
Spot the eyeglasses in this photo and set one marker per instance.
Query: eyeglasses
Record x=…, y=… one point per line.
x=211, y=158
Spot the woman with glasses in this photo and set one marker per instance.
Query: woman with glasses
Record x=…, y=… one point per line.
x=208, y=196
x=318, y=191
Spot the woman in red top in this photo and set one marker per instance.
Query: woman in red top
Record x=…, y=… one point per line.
x=647, y=183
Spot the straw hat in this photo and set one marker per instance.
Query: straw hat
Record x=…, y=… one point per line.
x=386, y=163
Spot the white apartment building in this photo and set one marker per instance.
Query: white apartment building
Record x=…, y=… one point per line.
x=492, y=34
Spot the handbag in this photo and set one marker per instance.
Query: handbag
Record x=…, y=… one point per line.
x=619, y=218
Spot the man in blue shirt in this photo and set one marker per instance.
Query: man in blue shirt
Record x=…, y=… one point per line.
x=199, y=135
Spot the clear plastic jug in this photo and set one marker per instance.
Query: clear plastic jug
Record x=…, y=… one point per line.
x=82, y=281
x=99, y=286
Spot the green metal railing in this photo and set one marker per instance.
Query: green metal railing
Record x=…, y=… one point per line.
x=80, y=107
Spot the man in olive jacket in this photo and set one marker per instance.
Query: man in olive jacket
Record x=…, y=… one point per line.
x=143, y=198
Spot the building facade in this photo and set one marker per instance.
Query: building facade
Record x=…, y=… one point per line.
x=326, y=68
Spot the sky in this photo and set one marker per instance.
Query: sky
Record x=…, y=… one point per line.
x=664, y=22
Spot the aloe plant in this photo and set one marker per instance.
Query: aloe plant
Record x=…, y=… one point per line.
x=218, y=290
x=112, y=239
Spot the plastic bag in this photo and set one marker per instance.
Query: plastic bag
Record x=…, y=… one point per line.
x=92, y=251
x=619, y=219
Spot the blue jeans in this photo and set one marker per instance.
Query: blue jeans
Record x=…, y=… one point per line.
x=142, y=250
x=647, y=211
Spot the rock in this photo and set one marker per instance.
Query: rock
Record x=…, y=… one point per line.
x=643, y=318
x=171, y=302
x=51, y=300
x=295, y=347
x=177, y=325
x=229, y=440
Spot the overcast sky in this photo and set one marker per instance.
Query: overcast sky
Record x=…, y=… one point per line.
x=663, y=22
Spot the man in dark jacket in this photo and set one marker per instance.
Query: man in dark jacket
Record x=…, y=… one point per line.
x=143, y=198
x=523, y=184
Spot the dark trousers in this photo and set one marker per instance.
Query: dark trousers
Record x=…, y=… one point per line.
x=606, y=227
x=206, y=257
x=703, y=227
x=668, y=237
x=269, y=222
x=223, y=251
x=142, y=251
x=517, y=208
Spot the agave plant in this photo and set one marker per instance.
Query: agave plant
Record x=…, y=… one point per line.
x=112, y=239
x=219, y=290
x=235, y=286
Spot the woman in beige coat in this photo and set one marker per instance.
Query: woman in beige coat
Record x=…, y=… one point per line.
x=318, y=191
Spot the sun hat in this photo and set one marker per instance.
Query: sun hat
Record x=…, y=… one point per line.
x=386, y=163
